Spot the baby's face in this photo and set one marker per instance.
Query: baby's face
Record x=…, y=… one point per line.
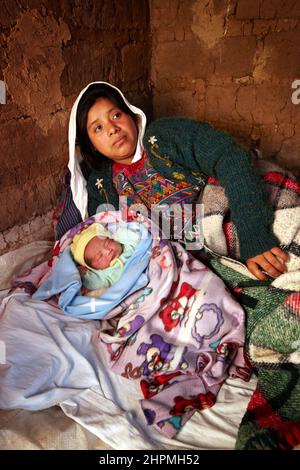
x=99, y=252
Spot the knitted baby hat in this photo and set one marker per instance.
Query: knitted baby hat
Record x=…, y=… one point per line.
x=82, y=238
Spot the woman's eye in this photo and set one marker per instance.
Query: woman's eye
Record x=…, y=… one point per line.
x=117, y=115
x=98, y=128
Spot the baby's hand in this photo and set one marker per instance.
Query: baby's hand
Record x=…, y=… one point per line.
x=85, y=291
x=82, y=270
x=271, y=261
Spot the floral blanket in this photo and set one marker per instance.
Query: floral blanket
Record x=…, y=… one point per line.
x=180, y=335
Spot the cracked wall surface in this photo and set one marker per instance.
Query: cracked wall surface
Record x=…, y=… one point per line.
x=50, y=49
x=232, y=63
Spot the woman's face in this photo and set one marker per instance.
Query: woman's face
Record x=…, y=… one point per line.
x=111, y=131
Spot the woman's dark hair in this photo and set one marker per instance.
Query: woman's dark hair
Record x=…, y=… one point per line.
x=90, y=156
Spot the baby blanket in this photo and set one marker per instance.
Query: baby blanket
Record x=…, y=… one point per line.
x=179, y=335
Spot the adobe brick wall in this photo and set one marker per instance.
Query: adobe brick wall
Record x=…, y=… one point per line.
x=231, y=62
x=49, y=50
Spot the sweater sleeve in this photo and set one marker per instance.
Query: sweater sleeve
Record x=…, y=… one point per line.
x=101, y=191
x=198, y=146
x=94, y=196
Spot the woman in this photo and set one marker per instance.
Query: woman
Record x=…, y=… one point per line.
x=166, y=164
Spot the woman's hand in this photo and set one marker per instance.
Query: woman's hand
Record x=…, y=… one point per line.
x=271, y=261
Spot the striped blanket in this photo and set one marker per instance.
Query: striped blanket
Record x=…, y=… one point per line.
x=272, y=420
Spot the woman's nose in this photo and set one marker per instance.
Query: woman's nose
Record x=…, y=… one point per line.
x=112, y=128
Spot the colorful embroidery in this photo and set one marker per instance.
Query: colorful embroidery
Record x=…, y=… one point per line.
x=152, y=140
x=142, y=184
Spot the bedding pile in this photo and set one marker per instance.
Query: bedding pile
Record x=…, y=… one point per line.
x=52, y=358
x=179, y=333
x=272, y=420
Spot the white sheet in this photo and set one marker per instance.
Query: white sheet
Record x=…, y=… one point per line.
x=50, y=360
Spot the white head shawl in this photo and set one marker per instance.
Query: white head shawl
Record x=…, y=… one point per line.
x=78, y=182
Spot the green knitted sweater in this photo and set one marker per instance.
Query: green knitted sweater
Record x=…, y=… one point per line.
x=181, y=148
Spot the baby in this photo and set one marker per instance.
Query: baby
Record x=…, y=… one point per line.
x=101, y=252
x=101, y=255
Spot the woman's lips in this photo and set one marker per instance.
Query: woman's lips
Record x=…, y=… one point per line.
x=120, y=141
